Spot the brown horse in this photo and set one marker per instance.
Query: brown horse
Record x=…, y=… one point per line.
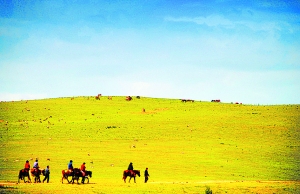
x=22, y=174
x=36, y=173
x=130, y=174
x=66, y=174
x=78, y=173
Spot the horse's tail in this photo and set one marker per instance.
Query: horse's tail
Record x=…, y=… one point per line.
x=20, y=174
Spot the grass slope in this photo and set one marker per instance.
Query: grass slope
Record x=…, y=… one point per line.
x=182, y=144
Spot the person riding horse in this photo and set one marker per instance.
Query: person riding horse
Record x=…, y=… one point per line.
x=82, y=169
x=36, y=165
x=70, y=166
x=130, y=168
x=27, y=166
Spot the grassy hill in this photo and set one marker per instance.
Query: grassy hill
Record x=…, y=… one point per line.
x=185, y=145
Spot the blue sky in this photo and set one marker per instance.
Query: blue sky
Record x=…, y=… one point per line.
x=236, y=51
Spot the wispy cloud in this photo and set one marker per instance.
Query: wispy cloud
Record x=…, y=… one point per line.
x=212, y=20
x=223, y=22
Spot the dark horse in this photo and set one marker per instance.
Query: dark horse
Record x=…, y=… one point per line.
x=66, y=174
x=36, y=173
x=78, y=173
x=128, y=173
x=22, y=174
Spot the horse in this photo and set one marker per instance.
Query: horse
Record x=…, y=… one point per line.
x=128, y=98
x=66, y=174
x=22, y=174
x=128, y=173
x=78, y=173
x=36, y=174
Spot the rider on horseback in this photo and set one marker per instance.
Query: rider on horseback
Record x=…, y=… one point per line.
x=70, y=166
x=82, y=169
x=130, y=168
x=36, y=165
x=27, y=166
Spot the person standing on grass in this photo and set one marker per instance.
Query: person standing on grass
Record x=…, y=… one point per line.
x=47, y=174
x=146, y=174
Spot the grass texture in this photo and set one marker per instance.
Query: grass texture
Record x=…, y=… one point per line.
x=187, y=146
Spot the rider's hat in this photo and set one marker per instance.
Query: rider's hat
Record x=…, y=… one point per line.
x=84, y=163
x=71, y=160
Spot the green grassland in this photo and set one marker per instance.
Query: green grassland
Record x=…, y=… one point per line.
x=186, y=146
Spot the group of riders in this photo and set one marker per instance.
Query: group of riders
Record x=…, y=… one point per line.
x=35, y=170
x=82, y=169
x=130, y=169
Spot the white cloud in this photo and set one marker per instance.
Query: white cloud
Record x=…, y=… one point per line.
x=220, y=21
x=212, y=20
x=21, y=96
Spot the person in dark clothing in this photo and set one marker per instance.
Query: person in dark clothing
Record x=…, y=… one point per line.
x=47, y=173
x=146, y=174
x=130, y=168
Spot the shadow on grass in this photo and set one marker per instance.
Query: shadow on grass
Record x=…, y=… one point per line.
x=8, y=189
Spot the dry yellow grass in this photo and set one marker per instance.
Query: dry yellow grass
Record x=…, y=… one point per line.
x=187, y=146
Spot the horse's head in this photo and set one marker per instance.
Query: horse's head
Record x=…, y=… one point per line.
x=89, y=173
x=137, y=172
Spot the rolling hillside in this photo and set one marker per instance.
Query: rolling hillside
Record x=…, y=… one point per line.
x=181, y=142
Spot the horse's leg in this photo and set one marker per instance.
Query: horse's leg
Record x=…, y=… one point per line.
x=129, y=179
x=29, y=179
x=23, y=178
x=134, y=179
